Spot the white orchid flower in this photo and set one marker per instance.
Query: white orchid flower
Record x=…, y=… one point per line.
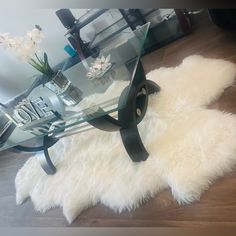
x=23, y=47
x=35, y=35
x=26, y=49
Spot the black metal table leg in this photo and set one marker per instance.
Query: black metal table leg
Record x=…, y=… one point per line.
x=136, y=97
x=45, y=160
x=134, y=112
x=152, y=87
x=131, y=115
x=133, y=143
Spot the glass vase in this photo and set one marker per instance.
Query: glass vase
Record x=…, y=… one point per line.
x=62, y=87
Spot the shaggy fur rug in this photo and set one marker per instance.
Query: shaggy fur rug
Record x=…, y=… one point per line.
x=189, y=145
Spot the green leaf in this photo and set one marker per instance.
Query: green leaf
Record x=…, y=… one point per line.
x=45, y=56
x=47, y=66
x=40, y=60
x=35, y=62
x=37, y=67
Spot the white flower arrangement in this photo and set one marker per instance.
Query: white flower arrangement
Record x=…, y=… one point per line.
x=99, y=67
x=26, y=49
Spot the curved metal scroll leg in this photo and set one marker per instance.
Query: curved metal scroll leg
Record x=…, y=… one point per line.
x=136, y=101
x=105, y=123
x=152, y=87
x=44, y=160
x=128, y=118
x=133, y=143
x=131, y=115
x=130, y=134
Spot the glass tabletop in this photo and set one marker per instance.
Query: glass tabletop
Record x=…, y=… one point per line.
x=86, y=90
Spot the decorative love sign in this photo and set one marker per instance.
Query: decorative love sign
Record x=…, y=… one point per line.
x=28, y=111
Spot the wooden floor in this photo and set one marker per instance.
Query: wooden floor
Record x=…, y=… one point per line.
x=217, y=205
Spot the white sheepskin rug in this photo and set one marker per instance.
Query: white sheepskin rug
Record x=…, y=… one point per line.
x=189, y=145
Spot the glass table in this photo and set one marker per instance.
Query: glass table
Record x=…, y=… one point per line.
x=109, y=93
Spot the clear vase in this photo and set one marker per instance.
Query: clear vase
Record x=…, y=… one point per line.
x=63, y=88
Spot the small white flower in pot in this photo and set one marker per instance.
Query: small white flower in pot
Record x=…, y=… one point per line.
x=99, y=67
